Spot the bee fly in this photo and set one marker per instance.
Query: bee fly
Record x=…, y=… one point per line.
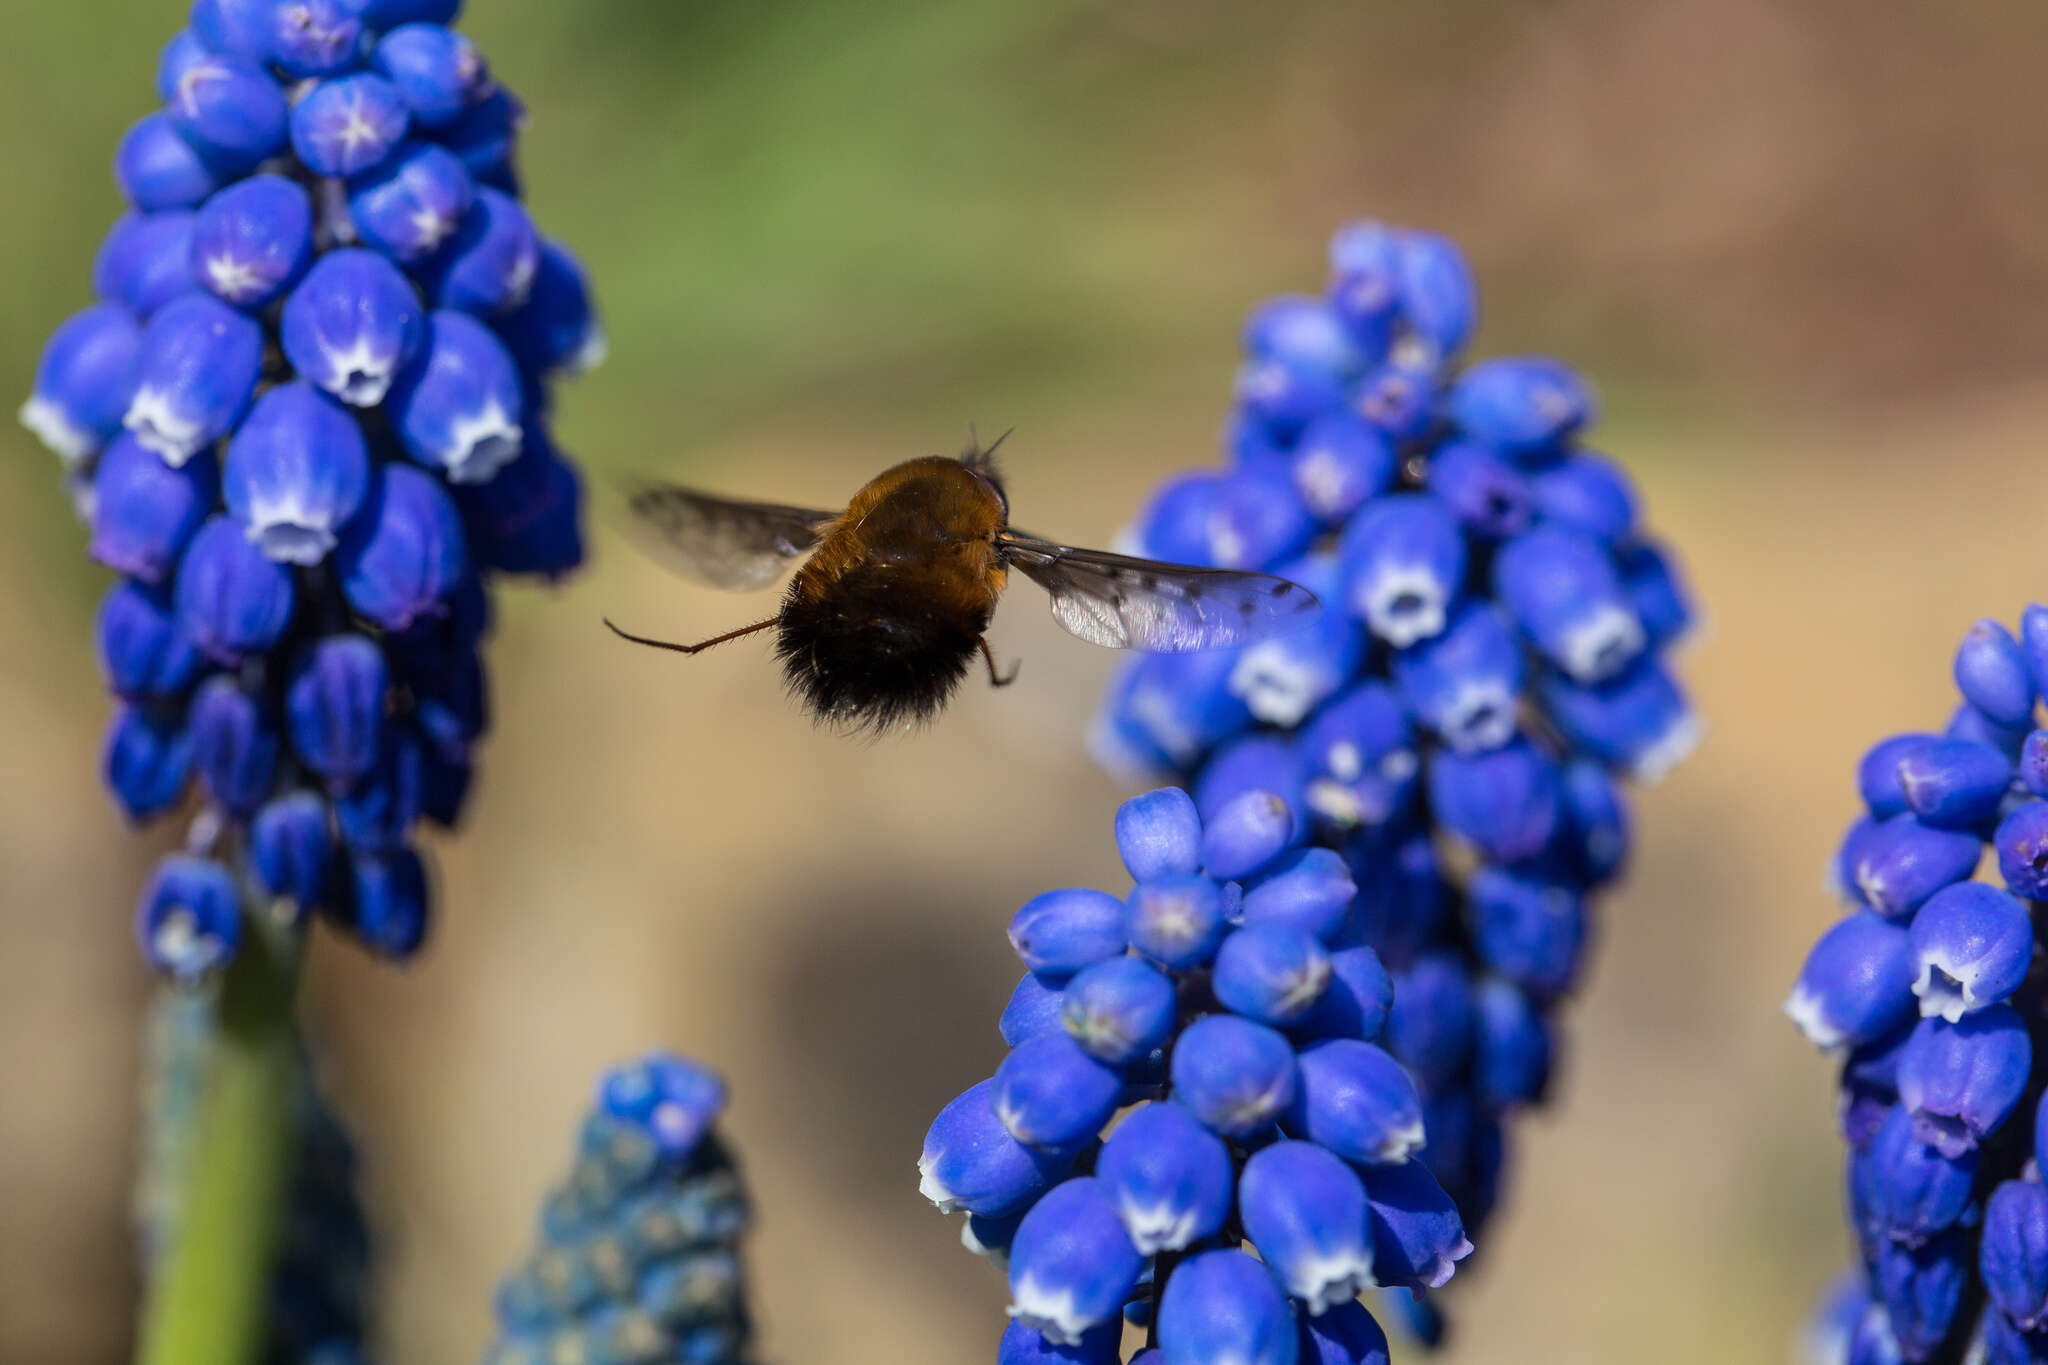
x=883, y=620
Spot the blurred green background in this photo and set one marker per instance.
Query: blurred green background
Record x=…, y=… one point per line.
x=1800, y=246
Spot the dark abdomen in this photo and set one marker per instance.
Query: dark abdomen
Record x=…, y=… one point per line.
x=875, y=648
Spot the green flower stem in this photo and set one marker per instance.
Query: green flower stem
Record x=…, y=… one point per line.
x=208, y=1296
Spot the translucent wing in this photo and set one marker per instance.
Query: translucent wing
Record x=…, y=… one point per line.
x=727, y=544
x=1127, y=603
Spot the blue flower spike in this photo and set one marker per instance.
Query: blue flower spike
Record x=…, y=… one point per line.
x=307, y=475
x=638, y=1252
x=1926, y=986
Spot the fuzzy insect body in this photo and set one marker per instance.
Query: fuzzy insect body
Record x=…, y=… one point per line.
x=882, y=621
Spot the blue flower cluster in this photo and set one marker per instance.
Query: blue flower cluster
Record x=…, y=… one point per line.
x=1229, y=1005
x=306, y=422
x=638, y=1260
x=1927, y=991
x=319, y=1280
x=1490, y=661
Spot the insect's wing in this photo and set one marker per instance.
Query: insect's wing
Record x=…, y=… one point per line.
x=727, y=544
x=1127, y=603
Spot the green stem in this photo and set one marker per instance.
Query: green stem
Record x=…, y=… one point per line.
x=208, y=1294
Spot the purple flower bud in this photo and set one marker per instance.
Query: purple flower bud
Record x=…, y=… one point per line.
x=1033, y=1009
x=1401, y=397
x=1417, y=1236
x=485, y=136
x=1022, y=1345
x=1857, y=984
x=389, y=913
x=1656, y=591
x=1898, y=863
x=1466, y=683
x=1638, y=721
x=1358, y=1000
x=2033, y=763
x=1235, y=1076
x=2014, y=1253
x=1430, y=1027
x=529, y=519
x=240, y=28
x=291, y=851
x=158, y=169
x=234, y=746
x=1265, y=763
x=1594, y=826
x=200, y=362
x=1118, y=1010
x=145, y=513
x=1910, y=1191
x=440, y=71
x=1871, y=1341
x=1992, y=674
x=1439, y=298
x=1272, y=973
x=1177, y=923
x=231, y=112
x=351, y=324
x=1563, y=591
x=142, y=651
x=1309, y=889
x=1365, y=287
x=487, y=267
x=1954, y=783
x=457, y=407
x=146, y=760
x=144, y=262
x=189, y=919
x=1305, y=1212
x=1512, y=1048
x=2034, y=642
x=84, y=382
x=335, y=708
x=185, y=50
x=1961, y=1080
x=1485, y=492
x=403, y=555
x=381, y=16
x=410, y=203
x=232, y=599
x=1504, y=802
x=1588, y=494
x=1060, y=932
x=1972, y=946
x=446, y=785
x=1049, y=1093
x=1169, y=1178
x=2021, y=842
x=1340, y=463
x=297, y=470
x=1877, y=775
x=1303, y=332
x=1071, y=1263
x=1404, y=563
x=1968, y=723
x=1921, y=1290
x=1345, y=1335
x=1165, y=710
x=1525, y=405
x=1285, y=678
x=377, y=814
x=1224, y=1306
x=348, y=125
x=1361, y=757
x=1283, y=396
x=1159, y=835
x=1248, y=832
x=315, y=37
x=1357, y=1101
x=556, y=330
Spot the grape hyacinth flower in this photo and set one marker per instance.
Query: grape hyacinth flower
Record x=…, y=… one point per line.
x=1195, y=1070
x=638, y=1255
x=294, y=419
x=1494, y=663
x=1929, y=994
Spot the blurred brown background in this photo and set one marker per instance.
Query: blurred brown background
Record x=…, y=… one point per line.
x=1802, y=247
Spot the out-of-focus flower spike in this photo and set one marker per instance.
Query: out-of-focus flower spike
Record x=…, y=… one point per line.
x=1489, y=495
x=1404, y=566
x=145, y=261
x=158, y=169
x=1562, y=589
x=142, y=651
x=189, y=918
x=235, y=746
x=292, y=851
x=147, y=759
x=85, y=382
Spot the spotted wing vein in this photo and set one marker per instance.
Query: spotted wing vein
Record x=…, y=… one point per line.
x=1126, y=603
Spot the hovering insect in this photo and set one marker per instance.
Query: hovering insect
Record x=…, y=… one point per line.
x=882, y=622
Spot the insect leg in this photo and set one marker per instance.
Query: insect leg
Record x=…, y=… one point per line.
x=700, y=645
x=995, y=680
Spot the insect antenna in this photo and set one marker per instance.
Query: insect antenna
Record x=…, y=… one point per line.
x=977, y=458
x=689, y=649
